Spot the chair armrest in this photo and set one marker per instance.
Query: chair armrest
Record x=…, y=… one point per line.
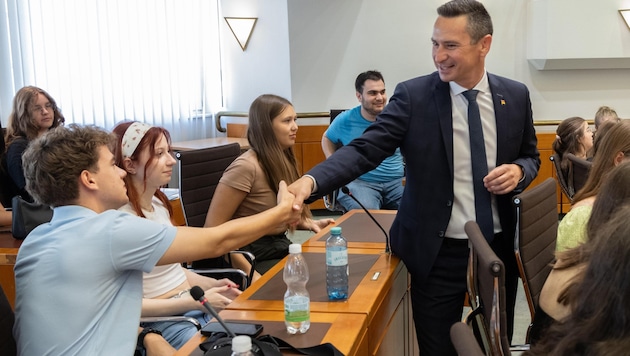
x=175, y=318
x=252, y=261
x=331, y=203
x=219, y=273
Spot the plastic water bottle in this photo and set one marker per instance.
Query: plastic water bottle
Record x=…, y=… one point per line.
x=336, y=265
x=297, y=310
x=242, y=346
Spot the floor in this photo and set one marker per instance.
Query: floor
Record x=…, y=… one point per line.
x=521, y=313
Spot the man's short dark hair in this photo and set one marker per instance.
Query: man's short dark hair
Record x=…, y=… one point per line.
x=479, y=21
x=369, y=75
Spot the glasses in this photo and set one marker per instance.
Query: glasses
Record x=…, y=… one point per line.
x=47, y=106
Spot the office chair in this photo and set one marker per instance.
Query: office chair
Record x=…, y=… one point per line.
x=199, y=175
x=464, y=340
x=330, y=199
x=580, y=168
x=535, y=240
x=562, y=179
x=488, y=291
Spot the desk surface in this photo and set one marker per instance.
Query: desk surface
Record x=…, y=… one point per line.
x=210, y=142
x=341, y=330
x=358, y=229
x=267, y=293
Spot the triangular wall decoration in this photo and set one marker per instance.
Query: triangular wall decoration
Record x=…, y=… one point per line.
x=242, y=28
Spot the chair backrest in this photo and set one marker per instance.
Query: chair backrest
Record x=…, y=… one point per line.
x=535, y=238
x=580, y=168
x=464, y=340
x=563, y=179
x=7, y=318
x=335, y=112
x=199, y=175
x=330, y=200
x=489, y=276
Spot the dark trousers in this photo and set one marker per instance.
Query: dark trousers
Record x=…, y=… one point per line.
x=438, y=301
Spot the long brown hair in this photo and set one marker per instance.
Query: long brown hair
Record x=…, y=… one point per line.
x=147, y=142
x=616, y=139
x=599, y=323
x=21, y=122
x=568, y=135
x=277, y=163
x=615, y=192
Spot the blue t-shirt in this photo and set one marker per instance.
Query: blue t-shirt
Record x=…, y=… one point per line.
x=349, y=125
x=79, y=282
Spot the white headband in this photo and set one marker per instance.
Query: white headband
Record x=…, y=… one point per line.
x=132, y=137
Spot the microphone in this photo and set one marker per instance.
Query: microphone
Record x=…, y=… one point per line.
x=198, y=294
x=347, y=192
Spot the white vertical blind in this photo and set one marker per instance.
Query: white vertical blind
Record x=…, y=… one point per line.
x=156, y=61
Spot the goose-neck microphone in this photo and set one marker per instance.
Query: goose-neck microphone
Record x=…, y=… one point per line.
x=347, y=192
x=198, y=294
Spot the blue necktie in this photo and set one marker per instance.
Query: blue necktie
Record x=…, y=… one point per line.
x=483, y=207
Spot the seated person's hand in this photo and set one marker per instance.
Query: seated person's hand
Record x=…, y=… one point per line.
x=219, y=297
x=315, y=225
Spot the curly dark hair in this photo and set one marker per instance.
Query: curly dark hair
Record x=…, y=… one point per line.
x=54, y=161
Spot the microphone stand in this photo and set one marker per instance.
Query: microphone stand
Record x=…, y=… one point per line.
x=347, y=192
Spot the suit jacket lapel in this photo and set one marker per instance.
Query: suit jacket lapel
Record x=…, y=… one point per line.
x=445, y=114
x=501, y=115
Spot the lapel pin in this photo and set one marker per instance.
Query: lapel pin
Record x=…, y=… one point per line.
x=502, y=102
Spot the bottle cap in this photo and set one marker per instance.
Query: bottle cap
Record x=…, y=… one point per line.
x=295, y=248
x=335, y=230
x=241, y=343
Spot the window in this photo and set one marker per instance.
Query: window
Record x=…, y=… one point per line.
x=156, y=61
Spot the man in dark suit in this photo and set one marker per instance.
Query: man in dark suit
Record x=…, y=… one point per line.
x=427, y=117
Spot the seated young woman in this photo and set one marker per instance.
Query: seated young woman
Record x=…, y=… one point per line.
x=248, y=185
x=145, y=154
x=613, y=148
x=573, y=135
x=556, y=302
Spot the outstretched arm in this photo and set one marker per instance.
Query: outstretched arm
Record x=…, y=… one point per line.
x=192, y=244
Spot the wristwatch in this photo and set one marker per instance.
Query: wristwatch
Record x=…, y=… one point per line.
x=143, y=333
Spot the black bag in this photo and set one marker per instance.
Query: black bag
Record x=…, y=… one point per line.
x=266, y=345
x=27, y=216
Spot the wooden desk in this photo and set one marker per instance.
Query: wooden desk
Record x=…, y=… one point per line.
x=9, y=247
x=381, y=294
x=346, y=331
x=210, y=142
x=358, y=229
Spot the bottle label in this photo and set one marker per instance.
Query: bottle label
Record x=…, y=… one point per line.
x=337, y=257
x=296, y=308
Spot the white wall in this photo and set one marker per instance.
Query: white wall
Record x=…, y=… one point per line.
x=264, y=66
x=331, y=41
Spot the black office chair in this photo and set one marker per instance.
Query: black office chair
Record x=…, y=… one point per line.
x=199, y=174
x=580, y=168
x=330, y=200
x=562, y=179
x=486, y=289
x=535, y=239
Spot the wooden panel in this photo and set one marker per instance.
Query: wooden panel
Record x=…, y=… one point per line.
x=236, y=130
